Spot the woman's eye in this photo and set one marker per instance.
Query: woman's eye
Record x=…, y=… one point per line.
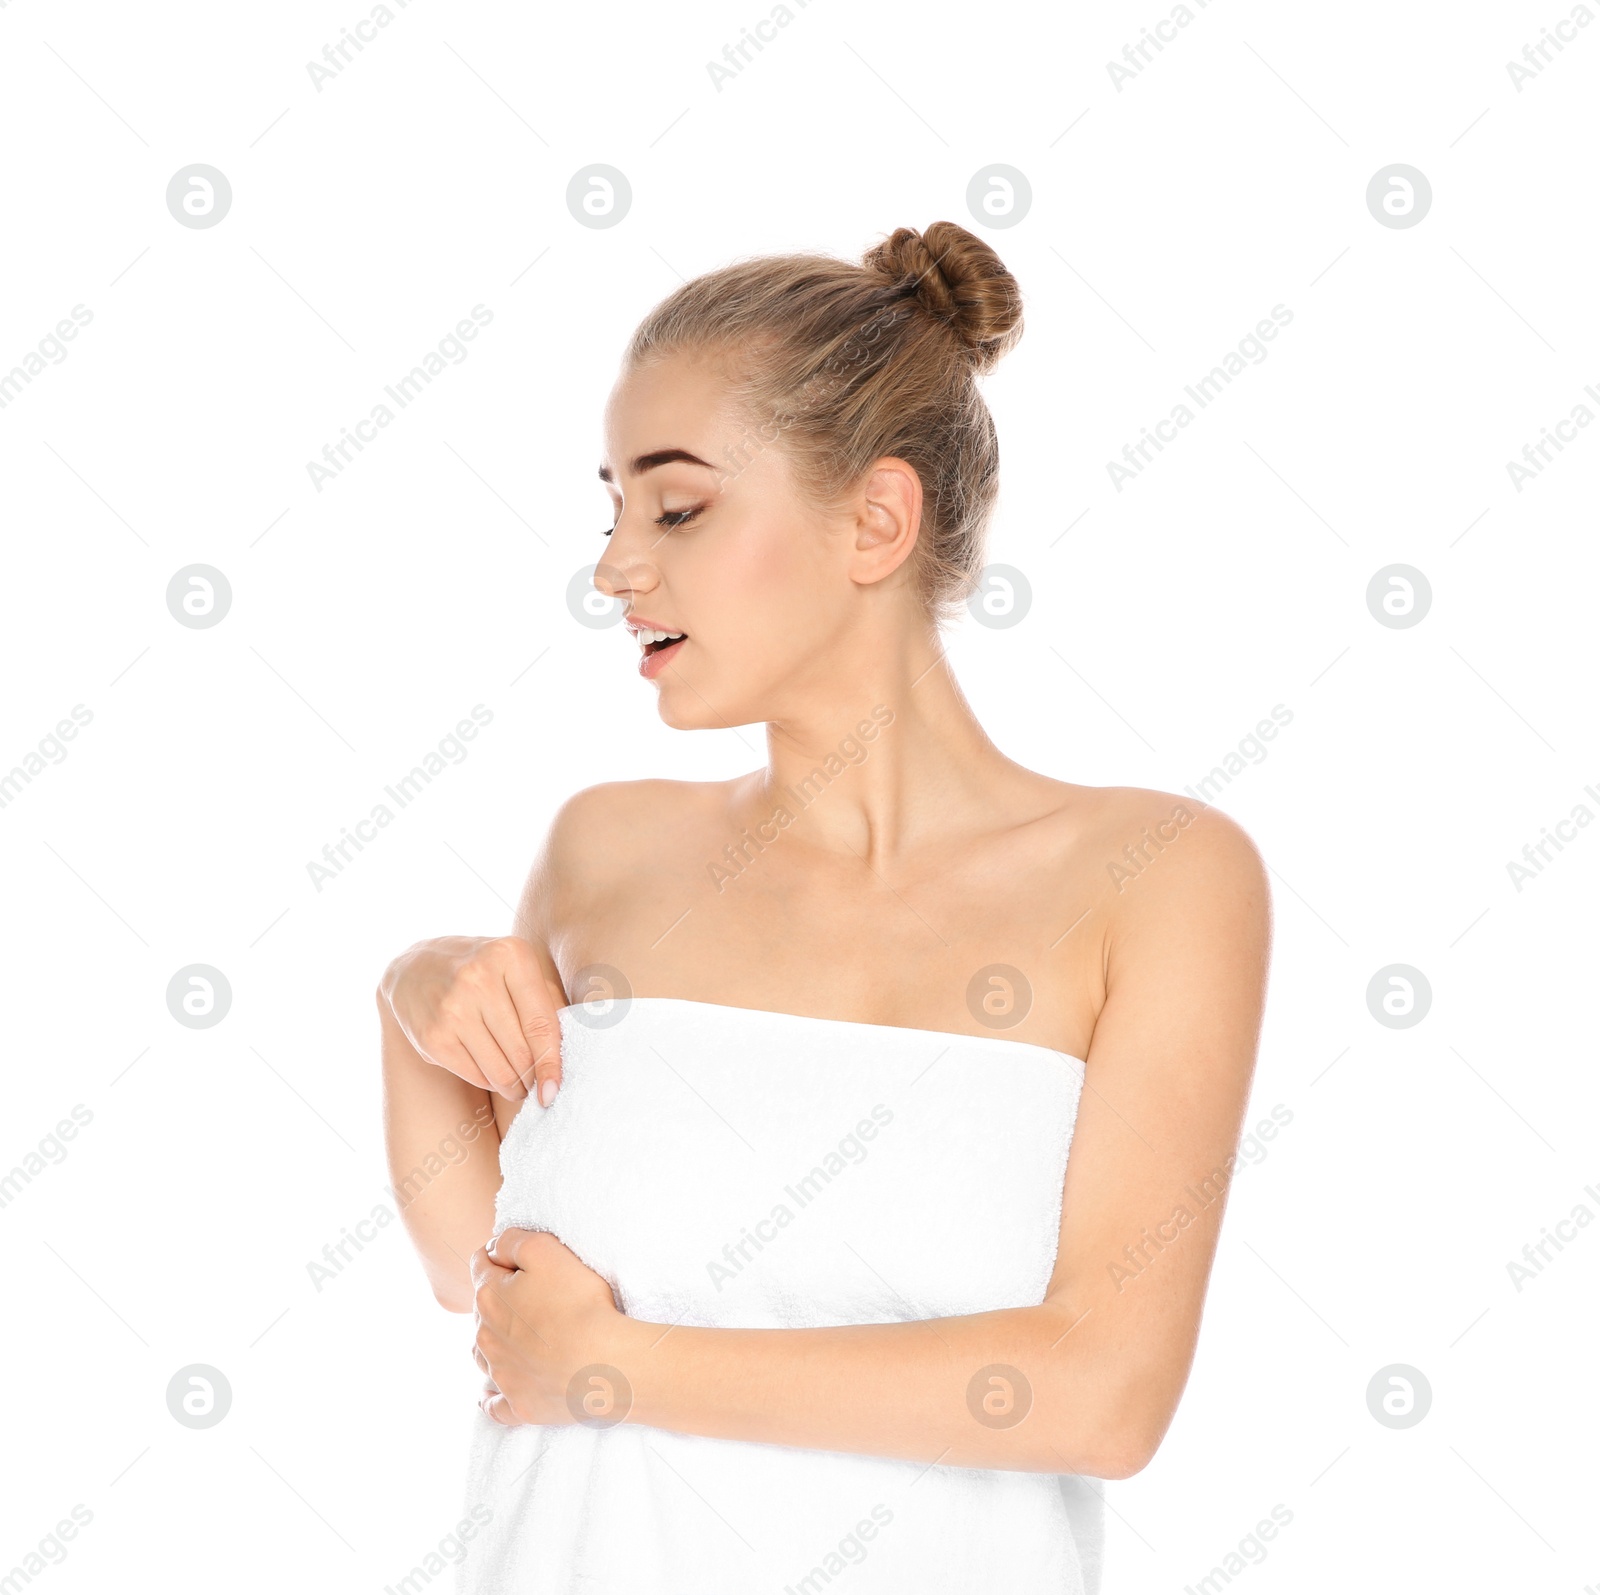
x=668, y=519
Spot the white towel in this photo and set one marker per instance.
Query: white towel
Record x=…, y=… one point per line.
x=740, y=1168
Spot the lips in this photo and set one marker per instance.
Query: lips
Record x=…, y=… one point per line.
x=657, y=656
x=656, y=646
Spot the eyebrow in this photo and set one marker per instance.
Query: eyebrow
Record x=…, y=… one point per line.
x=648, y=462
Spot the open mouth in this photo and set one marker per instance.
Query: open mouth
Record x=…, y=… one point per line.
x=656, y=649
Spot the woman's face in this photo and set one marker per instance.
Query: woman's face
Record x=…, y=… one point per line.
x=712, y=539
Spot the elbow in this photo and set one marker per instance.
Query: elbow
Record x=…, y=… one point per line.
x=452, y=1289
x=1117, y=1450
x=1113, y=1407
x=1127, y=1455
x=453, y=1300
x=1119, y=1437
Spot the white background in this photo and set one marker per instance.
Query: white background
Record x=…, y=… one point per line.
x=1167, y=218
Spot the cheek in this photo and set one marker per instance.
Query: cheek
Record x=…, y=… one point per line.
x=767, y=572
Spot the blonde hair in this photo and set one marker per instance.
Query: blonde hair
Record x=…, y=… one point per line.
x=844, y=364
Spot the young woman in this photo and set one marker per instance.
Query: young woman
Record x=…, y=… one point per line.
x=793, y=1276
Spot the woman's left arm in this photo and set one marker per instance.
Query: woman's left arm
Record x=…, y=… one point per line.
x=1088, y=1381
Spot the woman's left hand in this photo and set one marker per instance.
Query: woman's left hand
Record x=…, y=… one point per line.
x=544, y=1317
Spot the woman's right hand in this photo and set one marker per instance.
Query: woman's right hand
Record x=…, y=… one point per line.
x=484, y=1008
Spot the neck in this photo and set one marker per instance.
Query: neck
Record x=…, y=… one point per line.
x=895, y=758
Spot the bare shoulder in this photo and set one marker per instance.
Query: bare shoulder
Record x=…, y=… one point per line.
x=1184, y=918
x=599, y=839
x=596, y=812
x=1169, y=856
x=1220, y=843
x=1140, y=851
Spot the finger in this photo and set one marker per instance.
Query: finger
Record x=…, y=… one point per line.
x=487, y=1055
x=496, y=1320
x=453, y=1057
x=511, y=1245
x=531, y=986
x=498, y=1407
x=482, y=1362
x=500, y=1018
x=486, y=1268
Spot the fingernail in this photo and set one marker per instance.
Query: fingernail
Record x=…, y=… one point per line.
x=547, y=1091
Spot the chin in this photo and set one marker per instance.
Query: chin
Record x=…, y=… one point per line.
x=683, y=710
x=670, y=717
x=696, y=708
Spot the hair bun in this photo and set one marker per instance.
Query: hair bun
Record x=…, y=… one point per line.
x=960, y=279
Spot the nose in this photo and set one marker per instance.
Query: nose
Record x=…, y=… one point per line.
x=625, y=571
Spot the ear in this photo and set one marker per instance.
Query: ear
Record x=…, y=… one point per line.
x=888, y=515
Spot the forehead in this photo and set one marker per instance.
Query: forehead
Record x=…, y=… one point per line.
x=679, y=400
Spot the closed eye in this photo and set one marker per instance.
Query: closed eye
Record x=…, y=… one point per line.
x=669, y=520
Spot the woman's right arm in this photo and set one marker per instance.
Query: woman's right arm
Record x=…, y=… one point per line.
x=469, y=1031
x=444, y=1161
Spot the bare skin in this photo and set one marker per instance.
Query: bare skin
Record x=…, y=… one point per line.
x=1139, y=919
